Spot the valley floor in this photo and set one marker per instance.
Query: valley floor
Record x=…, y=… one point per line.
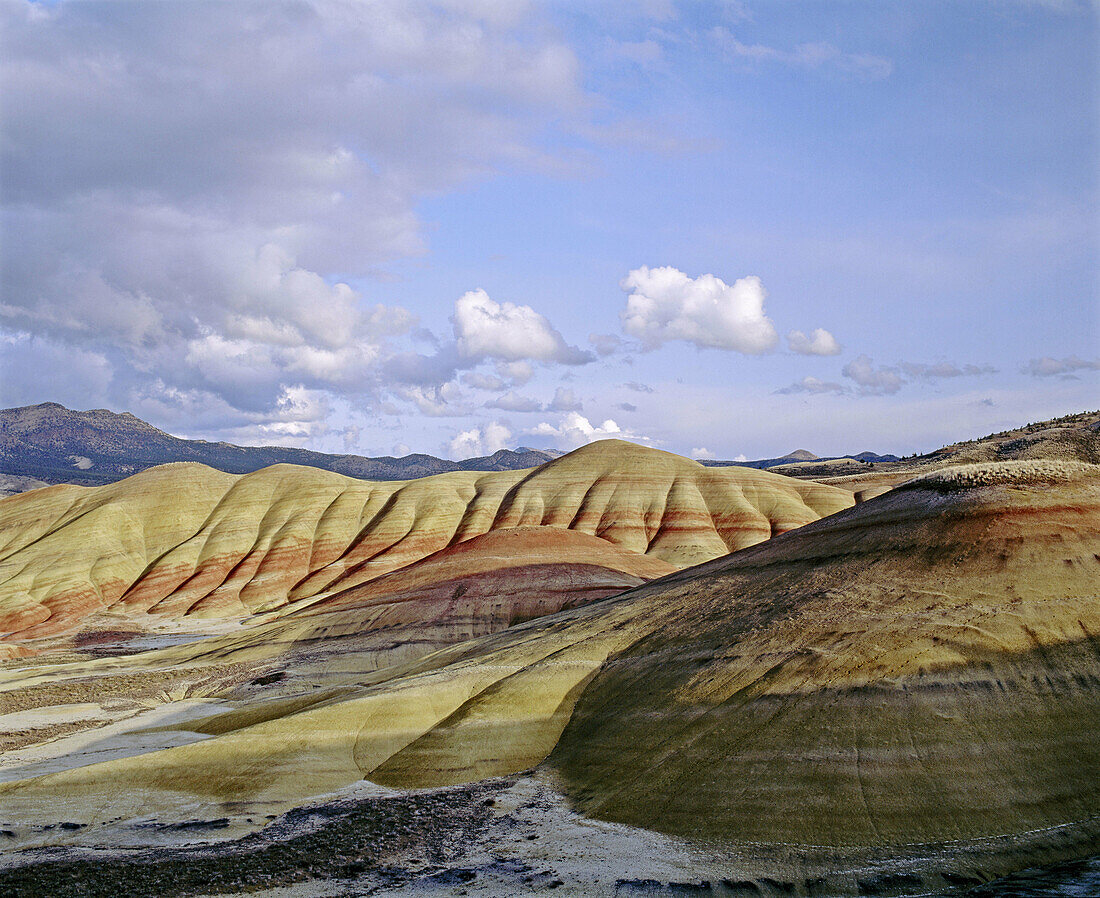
x=498, y=838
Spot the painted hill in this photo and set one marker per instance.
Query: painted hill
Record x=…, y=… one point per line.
x=922, y=668
x=52, y=444
x=184, y=541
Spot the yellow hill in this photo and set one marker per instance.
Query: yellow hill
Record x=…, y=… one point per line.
x=185, y=541
x=921, y=668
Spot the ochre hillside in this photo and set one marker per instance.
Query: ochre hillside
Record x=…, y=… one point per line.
x=921, y=668
x=186, y=541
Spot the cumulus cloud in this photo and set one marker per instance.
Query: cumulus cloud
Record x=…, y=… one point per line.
x=513, y=402
x=876, y=381
x=485, y=329
x=179, y=186
x=944, y=370
x=565, y=400
x=575, y=430
x=298, y=414
x=508, y=336
x=1050, y=367
x=516, y=373
x=350, y=435
x=442, y=401
x=810, y=384
x=872, y=381
x=665, y=304
x=479, y=441
x=820, y=342
x=701, y=452
x=479, y=380
x=418, y=369
x=605, y=344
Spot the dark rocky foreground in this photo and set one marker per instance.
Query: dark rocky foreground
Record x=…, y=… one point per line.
x=510, y=837
x=373, y=840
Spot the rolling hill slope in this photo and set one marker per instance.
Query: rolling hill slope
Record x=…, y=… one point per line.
x=185, y=541
x=922, y=668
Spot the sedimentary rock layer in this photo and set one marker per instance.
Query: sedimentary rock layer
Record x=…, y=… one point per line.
x=922, y=668
x=184, y=540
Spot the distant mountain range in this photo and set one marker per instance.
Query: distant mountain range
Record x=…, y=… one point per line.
x=48, y=443
x=799, y=456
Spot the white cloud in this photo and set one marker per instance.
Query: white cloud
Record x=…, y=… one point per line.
x=516, y=373
x=701, y=453
x=444, y=401
x=1050, y=367
x=820, y=342
x=605, y=344
x=350, y=435
x=575, y=430
x=639, y=387
x=481, y=381
x=513, y=402
x=944, y=370
x=417, y=369
x=479, y=441
x=872, y=380
x=298, y=414
x=665, y=304
x=565, y=400
x=881, y=380
x=485, y=329
x=810, y=384
x=166, y=199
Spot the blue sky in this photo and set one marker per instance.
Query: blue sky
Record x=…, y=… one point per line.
x=382, y=227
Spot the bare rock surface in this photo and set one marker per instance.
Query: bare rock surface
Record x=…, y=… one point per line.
x=185, y=540
x=903, y=696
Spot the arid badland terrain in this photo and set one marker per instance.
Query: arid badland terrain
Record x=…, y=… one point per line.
x=618, y=672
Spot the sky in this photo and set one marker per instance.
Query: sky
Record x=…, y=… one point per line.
x=725, y=229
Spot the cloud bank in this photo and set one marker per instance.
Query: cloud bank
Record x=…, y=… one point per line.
x=1049, y=367
x=182, y=187
x=872, y=381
